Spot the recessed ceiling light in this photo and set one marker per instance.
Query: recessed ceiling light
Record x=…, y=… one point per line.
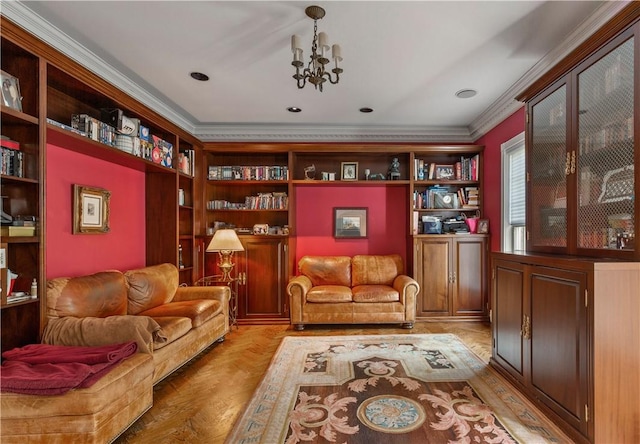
x=294, y=109
x=466, y=93
x=366, y=110
x=199, y=76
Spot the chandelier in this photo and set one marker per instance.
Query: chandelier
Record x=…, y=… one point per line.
x=315, y=72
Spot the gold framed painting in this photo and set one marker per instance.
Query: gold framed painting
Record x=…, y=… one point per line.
x=90, y=210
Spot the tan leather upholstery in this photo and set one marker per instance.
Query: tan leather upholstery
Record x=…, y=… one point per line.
x=170, y=324
x=343, y=290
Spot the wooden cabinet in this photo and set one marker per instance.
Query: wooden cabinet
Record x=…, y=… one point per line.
x=451, y=271
x=561, y=329
x=263, y=273
x=582, y=163
x=53, y=88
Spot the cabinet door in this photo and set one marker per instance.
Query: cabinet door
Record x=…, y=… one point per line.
x=605, y=166
x=508, y=317
x=433, y=273
x=558, y=344
x=549, y=164
x=262, y=267
x=469, y=276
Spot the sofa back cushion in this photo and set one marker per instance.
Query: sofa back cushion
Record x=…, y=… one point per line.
x=96, y=295
x=375, y=270
x=150, y=287
x=326, y=270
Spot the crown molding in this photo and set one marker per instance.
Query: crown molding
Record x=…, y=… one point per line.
x=506, y=104
x=24, y=17
x=328, y=133
x=502, y=108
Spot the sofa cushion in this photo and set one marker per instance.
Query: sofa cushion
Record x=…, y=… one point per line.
x=326, y=270
x=375, y=293
x=329, y=293
x=172, y=328
x=375, y=270
x=198, y=311
x=96, y=295
x=151, y=286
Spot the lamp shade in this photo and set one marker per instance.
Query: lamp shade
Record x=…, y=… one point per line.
x=225, y=240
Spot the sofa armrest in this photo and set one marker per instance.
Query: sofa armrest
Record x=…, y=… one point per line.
x=92, y=332
x=221, y=293
x=408, y=289
x=297, y=290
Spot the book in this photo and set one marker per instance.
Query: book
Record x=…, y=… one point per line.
x=12, y=231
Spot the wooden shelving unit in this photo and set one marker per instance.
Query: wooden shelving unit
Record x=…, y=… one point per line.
x=53, y=88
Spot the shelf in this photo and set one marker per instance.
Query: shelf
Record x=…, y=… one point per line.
x=227, y=210
x=11, y=116
x=17, y=304
x=83, y=145
x=448, y=210
x=21, y=239
x=342, y=183
x=247, y=182
x=24, y=180
x=445, y=183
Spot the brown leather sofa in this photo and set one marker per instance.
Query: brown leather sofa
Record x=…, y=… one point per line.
x=363, y=289
x=170, y=324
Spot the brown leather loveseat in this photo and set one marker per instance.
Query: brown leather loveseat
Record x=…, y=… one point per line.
x=363, y=289
x=170, y=324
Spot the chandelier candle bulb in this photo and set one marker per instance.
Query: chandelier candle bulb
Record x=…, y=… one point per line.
x=322, y=41
x=295, y=44
x=336, y=53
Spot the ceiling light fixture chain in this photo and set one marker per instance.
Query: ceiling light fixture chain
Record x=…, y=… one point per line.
x=315, y=72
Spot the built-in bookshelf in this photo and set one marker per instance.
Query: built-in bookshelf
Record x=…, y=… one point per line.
x=64, y=105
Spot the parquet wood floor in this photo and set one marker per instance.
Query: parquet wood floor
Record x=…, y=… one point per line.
x=200, y=402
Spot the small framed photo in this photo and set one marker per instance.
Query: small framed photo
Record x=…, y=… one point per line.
x=350, y=223
x=445, y=172
x=483, y=226
x=90, y=210
x=349, y=171
x=11, y=91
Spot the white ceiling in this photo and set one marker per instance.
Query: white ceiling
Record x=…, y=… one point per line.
x=405, y=60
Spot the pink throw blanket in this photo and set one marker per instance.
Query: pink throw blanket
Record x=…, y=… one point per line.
x=42, y=369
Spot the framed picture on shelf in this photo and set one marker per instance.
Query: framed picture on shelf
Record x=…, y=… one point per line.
x=90, y=210
x=483, y=226
x=11, y=91
x=349, y=171
x=445, y=172
x=350, y=223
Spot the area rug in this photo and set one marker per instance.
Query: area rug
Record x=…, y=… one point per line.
x=423, y=388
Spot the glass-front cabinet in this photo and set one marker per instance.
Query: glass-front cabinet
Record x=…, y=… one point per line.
x=582, y=157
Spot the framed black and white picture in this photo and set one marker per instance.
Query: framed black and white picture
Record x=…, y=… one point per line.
x=90, y=210
x=10, y=91
x=349, y=171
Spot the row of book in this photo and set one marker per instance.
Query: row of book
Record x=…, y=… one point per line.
x=187, y=162
x=248, y=172
x=263, y=201
x=438, y=197
x=465, y=169
x=12, y=159
x=141, y=144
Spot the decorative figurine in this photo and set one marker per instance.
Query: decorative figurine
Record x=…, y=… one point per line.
x=394, y=169
x=310, y=172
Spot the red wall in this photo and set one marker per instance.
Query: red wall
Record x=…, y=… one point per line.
x=123, y=247
x=387, y=226
x=492, y=173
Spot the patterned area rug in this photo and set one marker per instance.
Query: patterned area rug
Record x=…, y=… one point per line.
x=387, y=389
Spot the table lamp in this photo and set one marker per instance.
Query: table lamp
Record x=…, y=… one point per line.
x=225, y=242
